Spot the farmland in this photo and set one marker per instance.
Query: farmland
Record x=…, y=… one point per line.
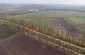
x=13, y=45
x=6, y=31
x=46, y=39
x=66, y=20
x=39, y=17
x=52, y=14
x=78, y=22
x=43, y=18
x=50, y=32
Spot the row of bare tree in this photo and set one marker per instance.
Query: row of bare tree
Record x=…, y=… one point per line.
x=59, y=35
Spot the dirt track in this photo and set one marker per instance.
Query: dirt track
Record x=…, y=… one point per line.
x=25, y=45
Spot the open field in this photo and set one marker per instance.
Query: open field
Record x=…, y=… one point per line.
x=43, y=21
x=40, y=29
x=79, y=23
x=68, y=26
x=49, y=38
x=22, y=44
x=78, y=20
x=66, y=19
x=54, y=20
x=42, y=17
x=53, y=14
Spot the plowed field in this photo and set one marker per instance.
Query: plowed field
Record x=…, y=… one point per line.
x=22, y=44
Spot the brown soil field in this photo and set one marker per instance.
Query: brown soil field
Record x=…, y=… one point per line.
x=67, y=26
x=22, y=44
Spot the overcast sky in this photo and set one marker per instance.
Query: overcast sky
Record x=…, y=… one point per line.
x=76, y=2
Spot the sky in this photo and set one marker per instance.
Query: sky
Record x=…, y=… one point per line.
x=73, y=2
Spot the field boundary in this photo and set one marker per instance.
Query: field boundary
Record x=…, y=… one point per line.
x=46, y=36
x=52, y=44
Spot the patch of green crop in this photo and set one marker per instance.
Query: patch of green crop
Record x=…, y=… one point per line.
x=78, y=20
x=53, y=14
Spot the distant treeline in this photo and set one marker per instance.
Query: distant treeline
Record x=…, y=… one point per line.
x=45, y=7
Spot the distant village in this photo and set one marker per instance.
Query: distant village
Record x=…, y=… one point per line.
x=33, y=10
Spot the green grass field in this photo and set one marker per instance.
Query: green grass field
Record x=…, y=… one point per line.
x=78, y=20
x=40, y=17
x=78, y=23
x=53, y=13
